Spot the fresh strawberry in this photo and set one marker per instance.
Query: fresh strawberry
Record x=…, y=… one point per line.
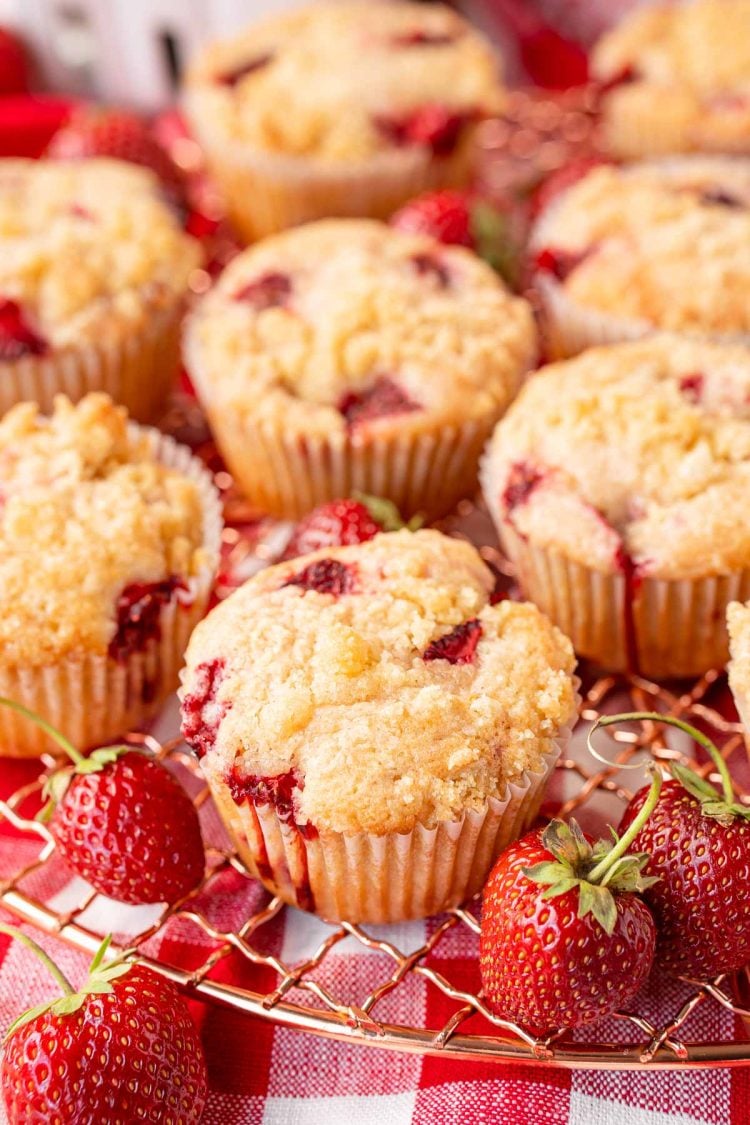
x=121, y=821
x=565, y=938
x=339, y=523
x=698, y=842
x=119, y=134
x=17, y=337
x=445, y=215
x=13, y=64
x=122, y=1048
x=463, y=218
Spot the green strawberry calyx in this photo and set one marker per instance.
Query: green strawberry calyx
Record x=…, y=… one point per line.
x=386, y=513
x=599, y=871
x=57, y=782
x=490, y=229
x=98, y=981
x=721, y=806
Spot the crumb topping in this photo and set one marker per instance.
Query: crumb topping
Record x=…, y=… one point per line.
x=85, y=511
x=641, y=448
x=338, y=687
x=666, y=243
x=337, y=81
x=686, y=67
x=355, y=314
x=84, y=244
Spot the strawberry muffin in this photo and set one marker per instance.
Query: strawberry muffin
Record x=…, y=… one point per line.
x=656, y=246
x=344, y=355
x=94, y=271
x=676, y=78
x=109, y=540
x=341, y=109
x=373, y=728
x=619, y=482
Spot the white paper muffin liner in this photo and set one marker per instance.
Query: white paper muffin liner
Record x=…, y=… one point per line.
x=94, y=698
x=394, y=877
x=677, y=627
x=267, y=192
x=137, y=369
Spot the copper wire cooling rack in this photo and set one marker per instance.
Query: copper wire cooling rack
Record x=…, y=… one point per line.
x=659, y=1032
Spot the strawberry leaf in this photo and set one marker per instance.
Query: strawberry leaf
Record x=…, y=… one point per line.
x=27, y=1017
x=382, y=511
x=548, y=872
x=600, y=902
x=66, y=1005
x=696, y=785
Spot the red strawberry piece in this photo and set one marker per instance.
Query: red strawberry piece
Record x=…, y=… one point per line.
x=717, y=197
x=420, y=37
x=559, y=948
x=691, y=386
x=129, y=828
x=382, y=399
x=230, y=78
x=326, y=576
x=698, y=841
x=13, y=64
x=340, y=523
x=560, y=263
x=138, y=613
x=17, y=338
x=457, y=647
x=118, y=134
x=201, y=711
x=429, y=265
x=432, y=125
x=523, y=479
x=269, y=291
x=445, y=215
x=277, y=791
x=123, y=1048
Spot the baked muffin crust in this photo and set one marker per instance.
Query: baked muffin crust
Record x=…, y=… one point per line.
x=301, y=327
x=85, y=245
x=638, y=451
x=387, y=692
x=660, y=245
x=336, y=81
x=686, y=69
x=84, y=512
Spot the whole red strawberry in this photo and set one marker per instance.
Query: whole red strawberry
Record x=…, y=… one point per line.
x=121, y=1049
x=565, y=938
x=119, y=134
x=121, y=821
x=463, y=218
x=340, y=523
x=698, y=842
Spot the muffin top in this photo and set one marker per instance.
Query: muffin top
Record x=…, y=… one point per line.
x=375, y=687
x=346, y=325
x=90, y=527
x=343, y=81
x=663, y=244
x=636, y=452
x=83, y=244
x=688, y=65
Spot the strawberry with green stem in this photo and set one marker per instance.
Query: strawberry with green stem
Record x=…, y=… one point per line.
x=122, y=1048
x=121, y=821
x=565, y=936
x=698, y=840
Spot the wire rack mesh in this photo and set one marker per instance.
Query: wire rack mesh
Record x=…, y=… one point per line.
x=233, y=923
